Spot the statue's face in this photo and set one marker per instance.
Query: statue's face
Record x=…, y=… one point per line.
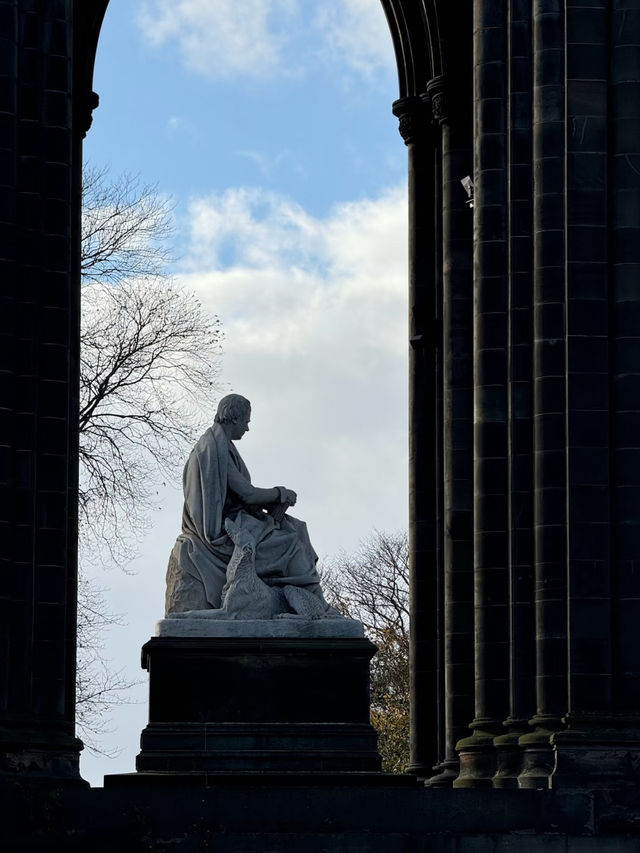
x=240, y=426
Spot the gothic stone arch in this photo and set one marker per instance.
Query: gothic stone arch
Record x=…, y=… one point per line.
x=525, y=388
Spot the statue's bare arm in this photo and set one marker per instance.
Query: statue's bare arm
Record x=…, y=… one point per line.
x=254, y=496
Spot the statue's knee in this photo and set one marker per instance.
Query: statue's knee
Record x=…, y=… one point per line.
x=187, y=593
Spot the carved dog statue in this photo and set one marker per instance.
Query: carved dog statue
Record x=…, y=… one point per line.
x=247, y=596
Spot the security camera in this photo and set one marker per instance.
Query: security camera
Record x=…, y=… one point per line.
x=467, y=183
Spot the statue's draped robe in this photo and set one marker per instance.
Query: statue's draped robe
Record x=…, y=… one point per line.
x=215, y=482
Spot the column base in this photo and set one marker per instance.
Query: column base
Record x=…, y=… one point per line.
x=448, y=773
x=29, y=755
x=508, y=757
x=420, y=770
x=478, y=756
x=538, y=759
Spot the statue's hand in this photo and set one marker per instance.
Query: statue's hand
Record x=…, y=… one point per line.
x=291, y=497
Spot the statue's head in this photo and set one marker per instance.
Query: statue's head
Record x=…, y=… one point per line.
x=232, y=408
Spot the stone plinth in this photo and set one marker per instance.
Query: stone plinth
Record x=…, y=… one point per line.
x=194, y=626
x=247, y=704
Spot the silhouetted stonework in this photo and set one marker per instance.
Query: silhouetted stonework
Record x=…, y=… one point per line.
x=536, y=503
x=524, y=447
x=38, y=419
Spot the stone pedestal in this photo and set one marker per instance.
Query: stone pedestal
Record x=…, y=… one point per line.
x=256, y=704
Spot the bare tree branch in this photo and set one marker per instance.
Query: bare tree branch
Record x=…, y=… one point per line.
x=126, y=226
x=149, y=353
x=373, y=587
x=98, y=687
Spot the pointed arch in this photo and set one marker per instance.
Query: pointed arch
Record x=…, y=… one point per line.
x=87, y=22
x=416, y=40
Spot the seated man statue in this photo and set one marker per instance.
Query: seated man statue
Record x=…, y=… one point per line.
x=273, y=567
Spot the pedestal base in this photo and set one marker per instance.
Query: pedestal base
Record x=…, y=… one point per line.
x=250, y=704
x=598, y=758
x=35, y=756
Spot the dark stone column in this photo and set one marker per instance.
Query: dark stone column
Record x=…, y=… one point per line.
x=588, y=360
x=587, y=370
x=602, y=741
x=557, y=389
x=520, y=225
x=491, y=321
x=624, y=122
x=38, y=422
x=457, y=241
x=550, y=510
x=415, y=128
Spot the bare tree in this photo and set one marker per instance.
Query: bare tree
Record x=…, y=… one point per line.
x=98, y=687
x=149, y=355
x=126, y=228
x=373, y=587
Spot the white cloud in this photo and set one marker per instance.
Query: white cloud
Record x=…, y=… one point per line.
x=221, y=38
x=355, y=32
x=255, y=228
x=314, y=313
x=224, y=38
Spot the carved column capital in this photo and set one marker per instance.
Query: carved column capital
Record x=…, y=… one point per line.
x=414, y=120
x=89, y=103
x=437, y=95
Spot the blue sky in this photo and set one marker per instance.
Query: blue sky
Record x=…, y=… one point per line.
x=309, y=123
x=269, y=124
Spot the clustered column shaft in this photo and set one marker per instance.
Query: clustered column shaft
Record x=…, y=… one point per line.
x=550, y=496
x=38, y=423
x=458, y=439
x=491, y=319
x=624, y=307
x=555, y=310
x=424, y=392
x=520, y=264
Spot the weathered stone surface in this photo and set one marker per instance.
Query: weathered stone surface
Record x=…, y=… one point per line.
x=197, y=624
x=290, y=813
